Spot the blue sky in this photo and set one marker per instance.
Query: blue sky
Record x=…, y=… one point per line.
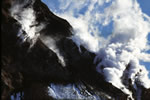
x=145, y=5
x=56, y=7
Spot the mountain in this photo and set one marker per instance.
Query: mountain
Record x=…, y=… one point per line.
x=41, y=62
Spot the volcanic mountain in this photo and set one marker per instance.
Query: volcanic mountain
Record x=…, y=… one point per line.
x=40, y=61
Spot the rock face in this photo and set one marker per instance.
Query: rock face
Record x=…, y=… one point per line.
x=31, y=63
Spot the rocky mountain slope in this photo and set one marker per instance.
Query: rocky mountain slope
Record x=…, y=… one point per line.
x=38, y=57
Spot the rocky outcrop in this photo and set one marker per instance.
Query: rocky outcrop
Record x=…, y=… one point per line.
x=30, y=65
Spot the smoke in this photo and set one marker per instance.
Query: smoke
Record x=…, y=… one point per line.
x=51, y=43
x=115, y=30
x=126, y=45
x=26, y=17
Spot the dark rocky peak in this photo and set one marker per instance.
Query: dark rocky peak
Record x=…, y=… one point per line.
x=55, y=24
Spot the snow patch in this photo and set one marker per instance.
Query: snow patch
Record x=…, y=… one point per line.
x=69, y=91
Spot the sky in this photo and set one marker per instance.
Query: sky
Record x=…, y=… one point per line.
x=145, y=6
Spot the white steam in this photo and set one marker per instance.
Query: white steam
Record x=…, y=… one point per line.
x=51, y=43
x=26, y=17
x=126, y=45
